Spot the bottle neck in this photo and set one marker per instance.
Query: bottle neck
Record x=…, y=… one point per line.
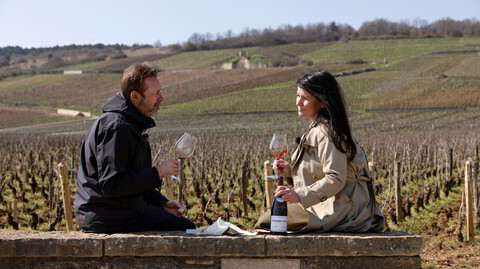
x=279, y=181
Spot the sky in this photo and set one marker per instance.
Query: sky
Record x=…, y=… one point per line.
x=48, y=23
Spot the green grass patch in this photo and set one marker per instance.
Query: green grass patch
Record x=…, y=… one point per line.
x=469, y=66
x=430, y=219
x=374, y=51
x=26, y=84
x=277, y=97
x=13, y=118
x=233, y=60
x=259, y=59
x=196, y=60
x=90, y=65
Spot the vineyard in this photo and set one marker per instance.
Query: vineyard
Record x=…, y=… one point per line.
x=224, y=178
x=417, y=119
x=15, y=117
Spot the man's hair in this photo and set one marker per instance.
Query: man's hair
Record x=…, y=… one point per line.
x=133, y=78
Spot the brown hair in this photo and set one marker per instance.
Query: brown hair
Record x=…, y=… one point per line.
x=133, y=78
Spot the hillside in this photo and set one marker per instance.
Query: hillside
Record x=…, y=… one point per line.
x=424, y=73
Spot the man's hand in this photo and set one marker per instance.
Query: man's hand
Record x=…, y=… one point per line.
x=175, y=208
x=168, y=168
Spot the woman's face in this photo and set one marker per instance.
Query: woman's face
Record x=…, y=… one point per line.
x=308, y=106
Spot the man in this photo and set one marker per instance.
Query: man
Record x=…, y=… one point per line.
x=116, y=183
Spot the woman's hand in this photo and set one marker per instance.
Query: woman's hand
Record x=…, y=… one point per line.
x=287, y=194
x=282, y=168
x=175, y=208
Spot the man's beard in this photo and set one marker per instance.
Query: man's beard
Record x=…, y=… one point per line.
x=152, y=110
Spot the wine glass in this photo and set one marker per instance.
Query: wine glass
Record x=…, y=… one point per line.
x=184, y=148
x=279, y=148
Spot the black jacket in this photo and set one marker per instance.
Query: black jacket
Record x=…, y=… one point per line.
x=116, y=181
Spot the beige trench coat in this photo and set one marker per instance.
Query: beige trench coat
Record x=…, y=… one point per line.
x=333, y=190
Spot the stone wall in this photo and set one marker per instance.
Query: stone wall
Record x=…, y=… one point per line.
x=21, y=249
x=74, y=113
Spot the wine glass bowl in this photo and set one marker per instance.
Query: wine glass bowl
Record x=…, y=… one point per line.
x=279, y=146
x=184, y=148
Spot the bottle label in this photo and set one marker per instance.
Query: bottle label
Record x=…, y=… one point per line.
x=279, y=224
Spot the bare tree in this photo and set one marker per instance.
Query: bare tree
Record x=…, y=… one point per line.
x=157, y=44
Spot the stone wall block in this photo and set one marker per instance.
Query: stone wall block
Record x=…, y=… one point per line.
x=338, y=244
x=50, y=244
x=192, y=246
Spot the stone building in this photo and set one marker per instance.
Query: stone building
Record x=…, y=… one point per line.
x=243, y=61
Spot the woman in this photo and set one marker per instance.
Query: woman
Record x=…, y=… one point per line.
x=332, y=186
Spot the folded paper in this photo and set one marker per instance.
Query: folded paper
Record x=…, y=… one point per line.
x=218, y=228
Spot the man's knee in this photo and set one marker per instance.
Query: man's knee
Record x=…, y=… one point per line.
x=188, y=224
x=175, y=224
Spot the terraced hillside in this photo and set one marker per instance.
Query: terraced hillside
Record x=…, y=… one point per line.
x=426, y=73
x=420, y=74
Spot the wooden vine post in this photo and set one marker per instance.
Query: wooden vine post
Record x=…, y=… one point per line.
x=450, y=169
x=269, y=183
x=398, y=197
x=67, y=196
x=168, y=187
x=469, y=200
x=244, y=185
x=181, y=184
x=476, y=202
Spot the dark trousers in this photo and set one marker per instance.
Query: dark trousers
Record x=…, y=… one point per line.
x=155, y=219
x=173, y=223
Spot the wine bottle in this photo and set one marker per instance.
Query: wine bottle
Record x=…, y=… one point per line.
x=279, y=214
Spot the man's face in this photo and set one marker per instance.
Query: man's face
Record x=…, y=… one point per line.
x=149, y=102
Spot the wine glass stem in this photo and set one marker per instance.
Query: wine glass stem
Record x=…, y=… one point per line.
x=180, y=175
x=279, y=180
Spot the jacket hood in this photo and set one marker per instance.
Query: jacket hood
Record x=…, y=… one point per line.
x=118, y=104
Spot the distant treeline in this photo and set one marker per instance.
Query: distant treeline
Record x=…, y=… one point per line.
x=288, y=34
x=15, y=60
x=9, y=50
x=321, y=32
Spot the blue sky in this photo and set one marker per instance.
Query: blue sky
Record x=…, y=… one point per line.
x=56, y=22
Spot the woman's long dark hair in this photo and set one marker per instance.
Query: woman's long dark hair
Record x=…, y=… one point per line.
x=325, y=88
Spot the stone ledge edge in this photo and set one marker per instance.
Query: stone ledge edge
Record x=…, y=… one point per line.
x=82, y=245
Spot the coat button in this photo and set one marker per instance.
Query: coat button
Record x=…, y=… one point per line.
x=314, y=177
x=323, y=199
